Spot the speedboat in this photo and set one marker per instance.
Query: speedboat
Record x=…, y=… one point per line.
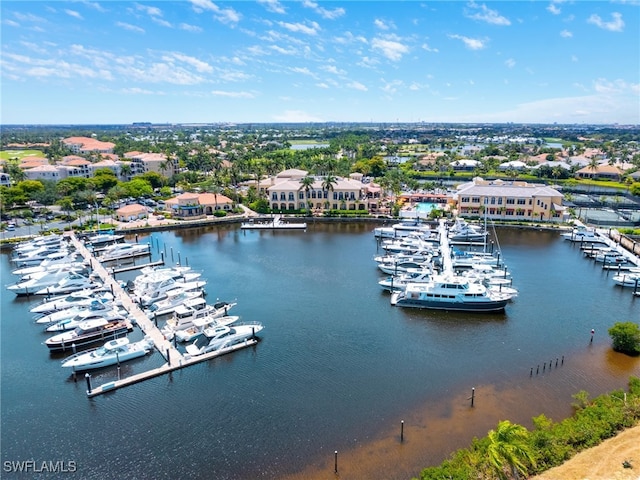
x=53, y=261
x=68, y=284
x=402, y=266
x=402, y=229
x=88, y=333
x=33, y=284
x=581, y=234
x=119, y=251
x=185, y=315
x=97, y=309
x=398, y=282
x=220, y=337
x=149, y=298
x=451, y=292
x=201, y=324
x=34, y=257
x=79, y=298
x=102, y=239
x=111, y=353
x=627, y=279
x=175, y=298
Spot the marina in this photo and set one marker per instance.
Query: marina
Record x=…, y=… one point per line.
x=273, y=223
x=174, y=358
x=333, y=375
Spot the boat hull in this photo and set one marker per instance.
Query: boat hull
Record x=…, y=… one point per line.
x=86, y=341
x=484, y=306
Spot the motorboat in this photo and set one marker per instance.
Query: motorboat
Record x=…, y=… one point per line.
x=581, y=233
x=97, y=309
x=627, y=279
x=192, y=310
x=35, y=243
x=398, y=282
x=162, y=279
x=75, y=299
x=88, y=333
x=450, y=292
x=463, y=232
x=403, y=266
x=68, y=284
x=32, y=284
x=119, y=251
x=35, y=257
x=201, y=324
x=175, y=298
x=70, y=323
x=63, y=258
x=402, y=229
x=112, y=352
x=609, y=256
x=220, y=337
x=99, y=240
x=170, y=285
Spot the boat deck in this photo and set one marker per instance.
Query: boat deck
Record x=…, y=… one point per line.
x=174, y=358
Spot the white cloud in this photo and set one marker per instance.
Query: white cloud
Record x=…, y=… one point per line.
x=392, y=86
x=273, y=6
x=615, y=25
x=234, y=76
x=485, y=14
x=224, y=93
x=151, y=11
x=471, y=43
x=189, y=28
x=303, y=71
x=322, y=85
x=391, y=49
x=162, y=22
x=566, y=34
x=74, y=14
x=282, y=50
x=138, y=91
x=357, y=86
x=323, y=12
x=199, y=65
x=384, y=25
x=131, y=28
x=224, y=15
x=428, y=48
x=11, y=23
x=510, y=62
x=311, y=28
x=333, y=69
x=554, y=9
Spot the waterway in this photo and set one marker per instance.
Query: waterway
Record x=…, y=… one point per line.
x=338, y=368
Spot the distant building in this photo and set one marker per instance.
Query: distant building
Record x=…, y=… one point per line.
x=44, y=172
x=5, y=180
x=152, y=162
x=509, y=200
x=85, y=145
x=603, y=171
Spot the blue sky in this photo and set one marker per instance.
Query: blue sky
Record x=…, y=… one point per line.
x=84, y=62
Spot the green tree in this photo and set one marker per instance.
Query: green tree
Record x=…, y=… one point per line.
x=509, y=449
x=626, y=337
x=307, y=183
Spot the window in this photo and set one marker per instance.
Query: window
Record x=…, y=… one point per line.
x=475, y=199
x=511, y=201
x=465, y=199
x=500, y=201
x=521, y=201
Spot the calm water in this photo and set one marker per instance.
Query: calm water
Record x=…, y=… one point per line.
x=338, y=367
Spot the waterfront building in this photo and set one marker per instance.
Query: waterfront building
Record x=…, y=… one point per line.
x=131, y=212
x=152, y=162
x=602, y=171
x=287, y=192
x=195, y=206
x=509, y=200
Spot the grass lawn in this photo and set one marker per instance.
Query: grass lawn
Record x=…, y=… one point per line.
x=20, y=154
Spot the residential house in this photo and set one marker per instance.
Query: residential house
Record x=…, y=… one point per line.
x=603, y=171
x=130, y=213
x=509, y=200
x=152, y=162
x=43, y=172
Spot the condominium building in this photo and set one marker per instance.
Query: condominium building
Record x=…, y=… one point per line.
x=509, y=200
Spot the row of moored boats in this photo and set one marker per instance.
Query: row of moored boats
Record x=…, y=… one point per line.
x=424, y=270
x=84, y=318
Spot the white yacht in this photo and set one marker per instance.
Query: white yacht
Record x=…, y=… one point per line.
x=192, y=310
x=201, y=324
x=220, y=337
x=161, y=292
x=402, y=229
x=62, y=258
x=88, y=333
x=34, y=283
x=72, y=282
x=79, y=298
x=175, y=298
x=119, y=251
x=450, y=292
x=111, y=353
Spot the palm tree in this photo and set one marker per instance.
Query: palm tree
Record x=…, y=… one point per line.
x=307, y=183
x=593, y=166
x=328, y=184
x=508, y=448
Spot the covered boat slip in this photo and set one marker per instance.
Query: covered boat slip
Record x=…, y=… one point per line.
x=175, y=359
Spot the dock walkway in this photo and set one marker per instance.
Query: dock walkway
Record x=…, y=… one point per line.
x=174, y=359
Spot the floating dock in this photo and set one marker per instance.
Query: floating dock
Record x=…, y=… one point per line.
x=174, y=358
x=274, y=223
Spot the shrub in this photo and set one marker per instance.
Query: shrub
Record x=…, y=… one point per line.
x=626, y=337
